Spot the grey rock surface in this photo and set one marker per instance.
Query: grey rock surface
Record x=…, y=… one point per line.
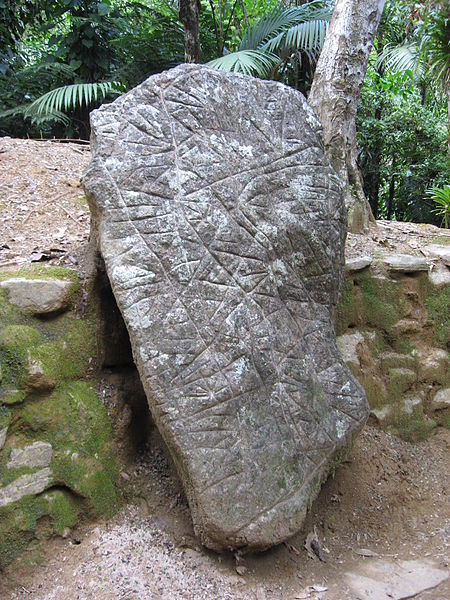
x=222, y=228
x=3, y=432
x=358, y=264
x=26, y=485
x=38, y=454
x=348, y=348
x=440, y=276
x=441, y=399
x=39, y=296
x=399, y=580
x=405, y=263
x=441, y=252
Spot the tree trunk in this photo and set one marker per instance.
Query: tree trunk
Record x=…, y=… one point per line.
x=335, y=94
x=390, y=201
x=188, y=12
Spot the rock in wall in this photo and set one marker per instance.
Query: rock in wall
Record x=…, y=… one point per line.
x=222, y=227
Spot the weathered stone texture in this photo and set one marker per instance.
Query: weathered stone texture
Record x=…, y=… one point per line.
x=39, y=296
x=38, y=454
x=222, y=228
x=26, y=485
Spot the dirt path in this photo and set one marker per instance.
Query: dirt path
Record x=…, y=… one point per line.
x=389, y=501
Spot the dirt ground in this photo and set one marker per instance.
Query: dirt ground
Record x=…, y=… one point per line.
x=388, y=503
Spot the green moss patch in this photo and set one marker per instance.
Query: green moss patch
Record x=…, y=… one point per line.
x=437, y=303
x=346, y=311
x=69, y=356
x=382, y=303
x=5, y=417
x=27, y=519
x=414, y=427
x=74, y=421
x=15, y=343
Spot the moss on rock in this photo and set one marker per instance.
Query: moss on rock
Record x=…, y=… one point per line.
x=411, y=427
x=70, y=417
x=19, y=522
x=67, y=357
x=346, y=311
x=74, y=421
x=381, y=302
x=15, y=343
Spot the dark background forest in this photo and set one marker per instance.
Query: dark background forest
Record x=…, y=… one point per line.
x=59, y=60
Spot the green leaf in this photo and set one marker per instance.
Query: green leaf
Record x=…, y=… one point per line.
x=249, y=62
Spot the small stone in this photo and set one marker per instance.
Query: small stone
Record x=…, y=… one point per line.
x=11, y=397
x=27, y=485
x=3, y=433
x=37, y=381
x=400, y=380
x=381, y=414
x=441, y=252
x=405, y=263
x=124, y=476
x=241, y=570
x=382, y=580
x=348, y=348
x=434, y=366
x=411, y=403
x=439, y=277
x=441, y=400
x=357, y=264
x=407, y=326
x=392, y=360
x=38, y=454
x=39, y=296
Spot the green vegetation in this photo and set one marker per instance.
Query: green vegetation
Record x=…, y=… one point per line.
x=26, y=519
x=414, y=427
x=381, y=302
x=346, y=311
x=68, y=357
x=84, y=472
x=441, y=197
x=437, y=303
x=402, y=123
x=60, y=59
x=75, y=423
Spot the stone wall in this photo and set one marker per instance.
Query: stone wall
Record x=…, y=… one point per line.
x=57, y=449
x=393, y=328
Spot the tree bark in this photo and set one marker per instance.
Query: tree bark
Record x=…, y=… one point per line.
x=188, y=11
x=335, y=94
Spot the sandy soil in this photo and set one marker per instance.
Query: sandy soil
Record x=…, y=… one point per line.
x=389, y=501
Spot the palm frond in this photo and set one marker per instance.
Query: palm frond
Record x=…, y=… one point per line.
x=249, y=62
x=26, y=112
x=407, y=57
x=70, y=96
x=281, y=21
x=50, y=68
x=308, y=35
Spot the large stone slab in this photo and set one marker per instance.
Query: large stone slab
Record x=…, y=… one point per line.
x=39, y=296
x=222, y=227
x=26, y=485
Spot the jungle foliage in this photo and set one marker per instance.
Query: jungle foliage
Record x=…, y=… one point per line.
x=61, y=59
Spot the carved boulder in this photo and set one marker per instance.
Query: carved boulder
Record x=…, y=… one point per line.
x=222, y=228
